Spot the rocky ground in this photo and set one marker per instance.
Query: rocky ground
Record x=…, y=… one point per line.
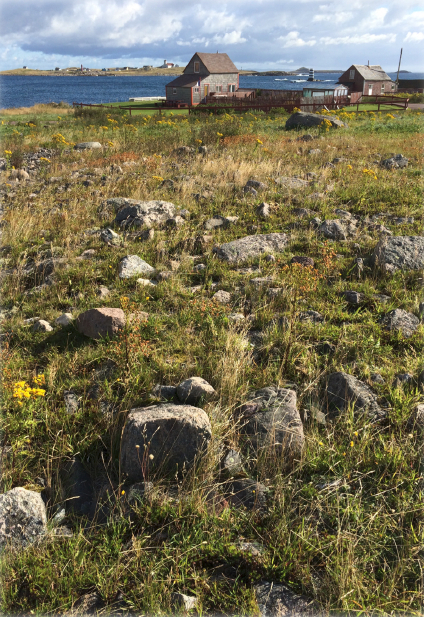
x=212, y=338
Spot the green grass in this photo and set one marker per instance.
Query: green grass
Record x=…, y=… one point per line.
x=356, y=548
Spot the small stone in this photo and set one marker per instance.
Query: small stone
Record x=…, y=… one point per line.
x=403, y=379
x=221, y=296
x=270, y=258
x=145, y=235
x=353, y=297
x=166, y=393
x=102, y=292
x=326, y=348
x=303, y=260
x=395, y=162
x=131, y=265
x=87, y=254
x=200, y=267
x=175, y=221
x=377, y=378
x=87, y=145
x=311, y=317
x=71, y=402
x=110, y=237
x=314, y=151
x=236, y=317
x=181, y=602
x=400, y=321
x=232, y=464
x=89, y=604
x=256, y=185
x=263, y=211
x=64, y=320
x=146, y=283
x=165, y=275
x=344, y=390
x=246, y=493
x=101, y=322
x=193, y=390
x=41, y=326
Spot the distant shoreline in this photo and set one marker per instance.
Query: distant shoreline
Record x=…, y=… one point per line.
x=142, y=73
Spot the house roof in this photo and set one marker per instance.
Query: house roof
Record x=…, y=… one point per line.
x=184, y=81
x=373, y=72
x=217, y=63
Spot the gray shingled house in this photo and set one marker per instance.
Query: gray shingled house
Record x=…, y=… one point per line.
x=369, y=80
x=204, y=74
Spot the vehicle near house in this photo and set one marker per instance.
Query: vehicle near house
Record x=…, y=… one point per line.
x=204, y=74
x=369, y=80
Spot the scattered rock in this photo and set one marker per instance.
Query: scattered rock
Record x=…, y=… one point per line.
x=174, y=435
x=42, y=326
x=395, y=162
x=277, y=600
x=236, y=317
x=314, y=151
x=401, y=321
x=220, y=221
x=353, y=297
x=23, y=518
x=78, y=487
x=403, y=379
x=166, y=393
x=145, y=235
x=221, y=296
x=182, y=603
x=101, y=322
x=175, y=221
x=337, y=229
x=64, y=320
x=326, y=348
x=292, y=182
x=87, y=254
x=306, y=137
x=102, y=292
x=252, y=548
x=272, y=420
x=399, y=253
x=246, y=493
x=310, y=317
x=232, y=464
x=377, y=378
x=256, y=185
x=146, y=283
x=306, y=262
x=263, y=210
x=72, y=402
x=416, y=420
x=131, y=212
x=251, y=246
x=88, y=604
x=110, y=237
x=87, y=145
x=344, y=390
x=138, y=492
x=131, y=265
x=193, y=390
x=302, y=118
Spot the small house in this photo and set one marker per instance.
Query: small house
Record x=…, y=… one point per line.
x=370, y=80
x=204, y=74
x=166, y=65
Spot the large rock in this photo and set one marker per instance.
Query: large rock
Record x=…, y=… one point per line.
x=193, y=390
x=131, y=212
x=88, y=145
x=246, y=493
x=401, y=321
x=133, y=265
x=271, y=419
x=23, y=518
x=344, y=390
x=251, y=246
x=78, y=487
x=304, y=119
x=399, y=253
x=174, y=436
x=100, y=322
x=277, y=600
x=336, y=229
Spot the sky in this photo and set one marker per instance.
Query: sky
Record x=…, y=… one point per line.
x=256, y=34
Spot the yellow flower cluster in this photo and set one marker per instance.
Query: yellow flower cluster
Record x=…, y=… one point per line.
x=43, y=158
x=8, y=152
x=370, y=172
x=58, y=138
x=22, y=390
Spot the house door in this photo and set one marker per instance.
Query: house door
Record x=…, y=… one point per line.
x=206, y=89
x=369, y=89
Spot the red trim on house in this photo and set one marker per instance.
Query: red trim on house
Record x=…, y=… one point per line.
x=191, y=93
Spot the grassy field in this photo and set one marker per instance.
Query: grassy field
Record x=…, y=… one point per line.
x=355, y=546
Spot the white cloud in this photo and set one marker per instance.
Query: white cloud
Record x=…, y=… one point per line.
x=361, y=39
x=230, y=38
x=292, y=39
x=414, y=37
x=337, y=18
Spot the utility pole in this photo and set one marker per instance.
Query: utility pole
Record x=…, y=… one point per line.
x=400, y=58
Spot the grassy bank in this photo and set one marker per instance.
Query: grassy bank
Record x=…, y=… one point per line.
x=345, y=524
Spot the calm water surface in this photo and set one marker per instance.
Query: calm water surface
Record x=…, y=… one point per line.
x=21, y=91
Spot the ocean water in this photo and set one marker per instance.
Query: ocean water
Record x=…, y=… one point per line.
x=24, y=91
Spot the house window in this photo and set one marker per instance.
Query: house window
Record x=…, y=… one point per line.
x=174, y=91
x=218, y=89
x=197, y=67
x=393, y=86
x=197, y=89
x=231, y=87
x=352, y=74
x=382, y=87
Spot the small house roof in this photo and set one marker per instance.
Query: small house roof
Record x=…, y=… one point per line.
x=374, y=72
x=217, y=63
x=184, y=81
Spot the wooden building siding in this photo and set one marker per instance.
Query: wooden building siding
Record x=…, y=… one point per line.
x=366, y=80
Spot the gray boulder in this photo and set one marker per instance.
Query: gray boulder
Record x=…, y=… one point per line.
x=256, y=185
x=174, y=435
x=66, y=319
x=271, y=420
x=353, y=297
x=263, y=210
x=221, y=296
x=399, y=253
x=195, y=389
x=277, y=600
x=219, y=221
x=251, y=246
x=133, y=265
x=337, y=229
x=100, y=322
x=292, y=182
x=42, y=326
x=232, y=464
x=110, y=237
x=131, y=212
x=401, y=321
x=165, y=393
x=87, y=145
x=246, y=493
x=23, y=518
x=304, y=119
x=182, y=603
x=395, y=162
x=344, y=390
x=88, y=604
